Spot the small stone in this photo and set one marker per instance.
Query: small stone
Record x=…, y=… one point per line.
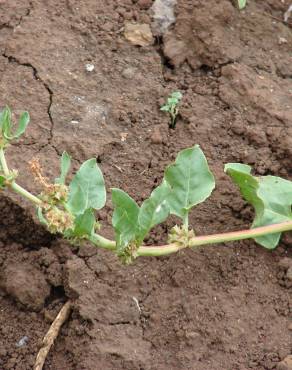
x=282, y=40
x=129, y=72
x=138, y=34
x=286, y=364
x=283, y=353
x=89, y=67
x=289, y=273
x=285, y=263
x=22, y=342
x=156, y=137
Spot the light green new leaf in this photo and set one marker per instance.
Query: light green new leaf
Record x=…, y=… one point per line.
x=5, y=123
x=84, y=224
x=270, y=196
x=154, y=210
x=125, y=219
x=65, y=166
x=176, y=95
x=190, y=180
x=22, y=124
x=87, y=189
x=241, y=4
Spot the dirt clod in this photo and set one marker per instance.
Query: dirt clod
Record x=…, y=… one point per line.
x=26, y=284
x=223, y=307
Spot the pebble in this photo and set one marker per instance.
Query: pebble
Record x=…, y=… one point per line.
x=156, y=137
x=285, y=263
x=138, y=34
x=289, y=273
x=286, y=364
x=22, y=342
x=129, y=72
x=89, y=67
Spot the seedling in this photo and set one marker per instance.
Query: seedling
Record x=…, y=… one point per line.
x=69, y=210
x=171, y=106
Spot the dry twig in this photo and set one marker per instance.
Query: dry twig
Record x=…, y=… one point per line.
x=51, y=335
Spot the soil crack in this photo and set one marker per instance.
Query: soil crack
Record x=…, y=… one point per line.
x=36, y=76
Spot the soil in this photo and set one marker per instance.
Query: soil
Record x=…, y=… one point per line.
x=224, y=307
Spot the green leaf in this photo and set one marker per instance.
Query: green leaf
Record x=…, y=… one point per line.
x=87, y=189
x=2, y=182
x=6, y=122
x=84, y=224
x=190, y=180
x=77, y=199
x=241, y=4
x=2, y=118
x=172, y=101
x=22, y=124
x=125, y=219
x=165, y=108
x=177, y=95
x=154, y=210
x=65, y=166
x=270, y=196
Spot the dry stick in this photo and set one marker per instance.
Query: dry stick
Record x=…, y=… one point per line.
x=52, y=335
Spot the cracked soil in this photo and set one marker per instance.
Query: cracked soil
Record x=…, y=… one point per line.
x=224, y=307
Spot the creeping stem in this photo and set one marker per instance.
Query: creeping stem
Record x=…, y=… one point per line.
x=17, y=188
x=3, y=162
x=201, y=240
x=196, y=241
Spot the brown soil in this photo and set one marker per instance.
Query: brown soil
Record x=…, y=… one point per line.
x=223, y=307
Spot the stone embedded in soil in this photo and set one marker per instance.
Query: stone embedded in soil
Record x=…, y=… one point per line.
x=285, y=263
x=156, y=137
x=286, y=364
x=289, y=273
x=129, y=72
x=25, y=284
x=138, y=34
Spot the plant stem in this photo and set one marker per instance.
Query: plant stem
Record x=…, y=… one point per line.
x=198, y=240
x=3, y=162
x=186, y=221
x=17, y=188
x=240, y=235
x=26, y=194
x=102, y=242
